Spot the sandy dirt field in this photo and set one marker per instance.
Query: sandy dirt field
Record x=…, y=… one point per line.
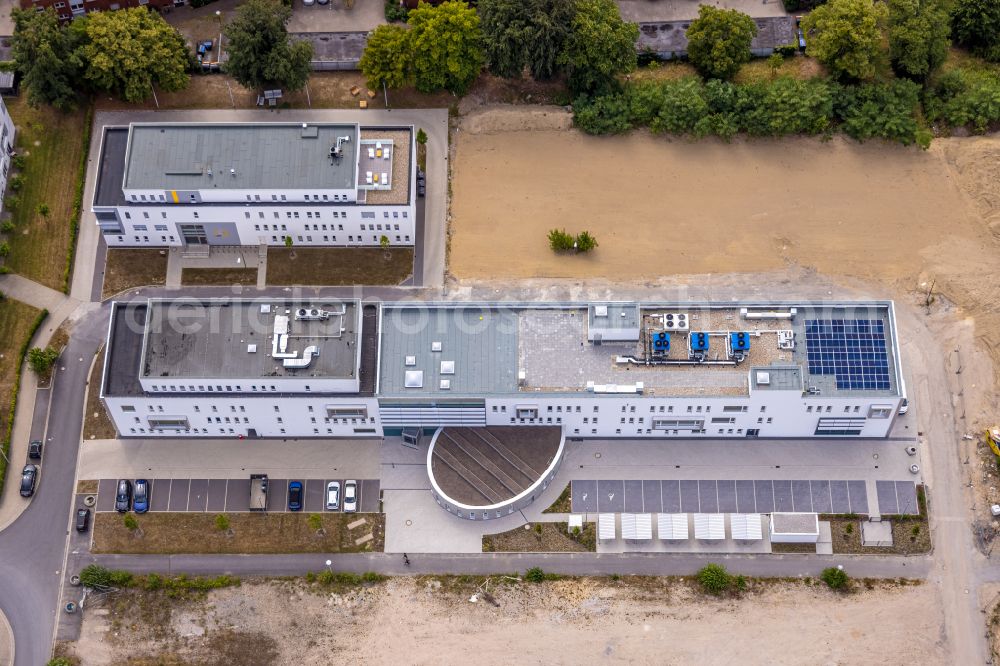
x=416, y=621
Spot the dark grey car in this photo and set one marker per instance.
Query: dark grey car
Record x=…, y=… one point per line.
x=29, y=477
x=123, y=497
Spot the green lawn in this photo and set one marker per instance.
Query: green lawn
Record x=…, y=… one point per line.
x=17, y=323
x=52, y=144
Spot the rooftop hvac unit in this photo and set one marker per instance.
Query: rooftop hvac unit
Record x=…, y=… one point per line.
x=660, y=343
x=786, y=339
x=699, y=342
x=675, y=321
x=739, y=345
x=311, y=314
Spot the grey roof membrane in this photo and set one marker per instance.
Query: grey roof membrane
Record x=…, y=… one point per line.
x=211, y=339
x=481, y=342
x=111, y=169
x=178, y=156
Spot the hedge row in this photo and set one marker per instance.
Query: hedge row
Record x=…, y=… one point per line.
x=781, y=107
x=81, y=175
x=22, y=352
x=962, y=98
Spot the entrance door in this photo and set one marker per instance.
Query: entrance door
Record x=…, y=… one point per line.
x=194, y=234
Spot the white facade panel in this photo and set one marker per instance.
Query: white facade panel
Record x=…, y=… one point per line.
x=709, y=526
x=7, y=133
x=672, y=526
x=606, y=528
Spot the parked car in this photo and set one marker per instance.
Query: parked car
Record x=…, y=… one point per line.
x=140, y=501
x=904, y=406
x=333, y=496
x=82, y=519
x=350, y=496
x=802, y=37
x=123, y=497
x=421, y=190
x=29, y=477
x=35, y=449
x=294, y=495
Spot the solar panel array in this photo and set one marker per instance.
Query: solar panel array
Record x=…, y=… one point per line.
x=852, y=350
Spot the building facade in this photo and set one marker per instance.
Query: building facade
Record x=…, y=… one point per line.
x=69, y=9
x=195, y=185
x=272, y=368
x=6, y=147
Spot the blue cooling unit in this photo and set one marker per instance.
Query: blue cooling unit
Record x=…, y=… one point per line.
x=661, y=343
x=699, y=342
x=739, y=342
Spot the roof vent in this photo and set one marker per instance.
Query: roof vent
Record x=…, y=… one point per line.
x=445, y=384
x=763, y=378
x=600, y=310
x=410, y=361
x=232, y=172
x=414, y=379
x=435, y=346
x=447, y=367
x=251, y=349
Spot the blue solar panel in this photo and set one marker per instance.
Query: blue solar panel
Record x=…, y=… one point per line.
x=852, y=350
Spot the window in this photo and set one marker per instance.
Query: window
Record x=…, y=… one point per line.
x=880, y=411
x=128, y=408
x=527, y=412
x=367, y=215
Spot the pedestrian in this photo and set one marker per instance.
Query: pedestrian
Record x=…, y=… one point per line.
x=406, y=559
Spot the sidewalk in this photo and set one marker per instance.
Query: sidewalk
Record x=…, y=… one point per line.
x=22, y=289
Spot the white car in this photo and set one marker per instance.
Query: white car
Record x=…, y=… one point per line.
x=350, y=496
x=904, y=406
x=333, y=496
x=308, y=3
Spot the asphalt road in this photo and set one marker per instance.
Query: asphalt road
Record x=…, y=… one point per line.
x=32, y=548
x=647, y=564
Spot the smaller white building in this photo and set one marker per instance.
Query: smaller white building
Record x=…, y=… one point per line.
x=6, y=147
x=794, y=527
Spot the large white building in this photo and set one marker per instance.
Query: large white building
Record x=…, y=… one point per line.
x=195, y=185
x=332, y=368
x=6, y=148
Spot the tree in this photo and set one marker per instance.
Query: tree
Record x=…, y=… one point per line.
x=600, y=46
x=918, y=36
x=719, y=41
x=525, y=34
x=386, y=57
x=835, y=577
x=261, y=53
x=131, y=50
x=447, y=46
x=42, y=360
x=43, y=54
x=846, y=36
x=976, y=26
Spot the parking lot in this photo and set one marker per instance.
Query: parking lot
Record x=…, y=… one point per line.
x=233, y=495
x=744, y=496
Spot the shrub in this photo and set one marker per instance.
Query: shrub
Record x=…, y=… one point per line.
x=714, y=578
x=153, y=582
x=394, y=11
x=59, y=661
x=4, y=249
x=534, y=575
x=538, y=529
x=372, y=577
x=7, y=226
x=880, y=110
x=585, y=242
x=16, y=183
x=786, y=50
x=964, y=98
x=421, y=136
x=11, y=202
x=559, y=240
x=835, y=578
x=222, y=522
x=683, y=106
x=131, y=523
x=94, y=575
x=19, y=162
x=40, y=360
x=43, y=209
x=315, y=521
x=608, y=114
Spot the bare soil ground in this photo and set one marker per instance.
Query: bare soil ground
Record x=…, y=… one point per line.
x=542, y=538
x=247, y=533
x=96, y=422
x=133, y=267
x=221, y=276
x=427, y=620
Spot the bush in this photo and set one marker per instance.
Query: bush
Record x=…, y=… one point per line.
x=835, y=578
x=395, y=11
x=40, y=360
x=11, y=202
x=886, y=111
x=315, y=521
x=59, y=661
x=94, y=575
x=963, y=98
x=16, y=183
x=222, y=522
x=715, y=579
x=7, y=226
x=421, y=136
x=4, y=249
x=559, y=240
x=534, y=575
x=608, y=114
x=131, y=523
x=585, y=242
x=786, y=50
x=19, y=162
x=43, y=209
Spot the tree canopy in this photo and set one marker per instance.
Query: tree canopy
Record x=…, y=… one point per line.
x=719, y=41
x=525, y=34
x=446, y=46
x=918, y=36
x=387, y=56
x=129, y=51
x=976, y=25
x=846, y=36
x=260, y=50
x=43, y=54
x=600, y=46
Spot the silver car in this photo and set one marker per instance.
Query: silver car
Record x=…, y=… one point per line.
x=350, y=496
x=333, y=496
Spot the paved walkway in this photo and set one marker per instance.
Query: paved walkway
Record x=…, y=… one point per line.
x=24, y=290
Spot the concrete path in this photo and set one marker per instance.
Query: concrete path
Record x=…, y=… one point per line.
x=495, y=563
x=6, y=642
x=22, y=289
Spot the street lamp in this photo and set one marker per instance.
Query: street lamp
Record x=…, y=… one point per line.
x=329, y=565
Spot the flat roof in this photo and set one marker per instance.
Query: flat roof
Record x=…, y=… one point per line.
x=667, y=37
x=111, y=167
x=541, y=347
x=234, y=339
x=244, y=156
